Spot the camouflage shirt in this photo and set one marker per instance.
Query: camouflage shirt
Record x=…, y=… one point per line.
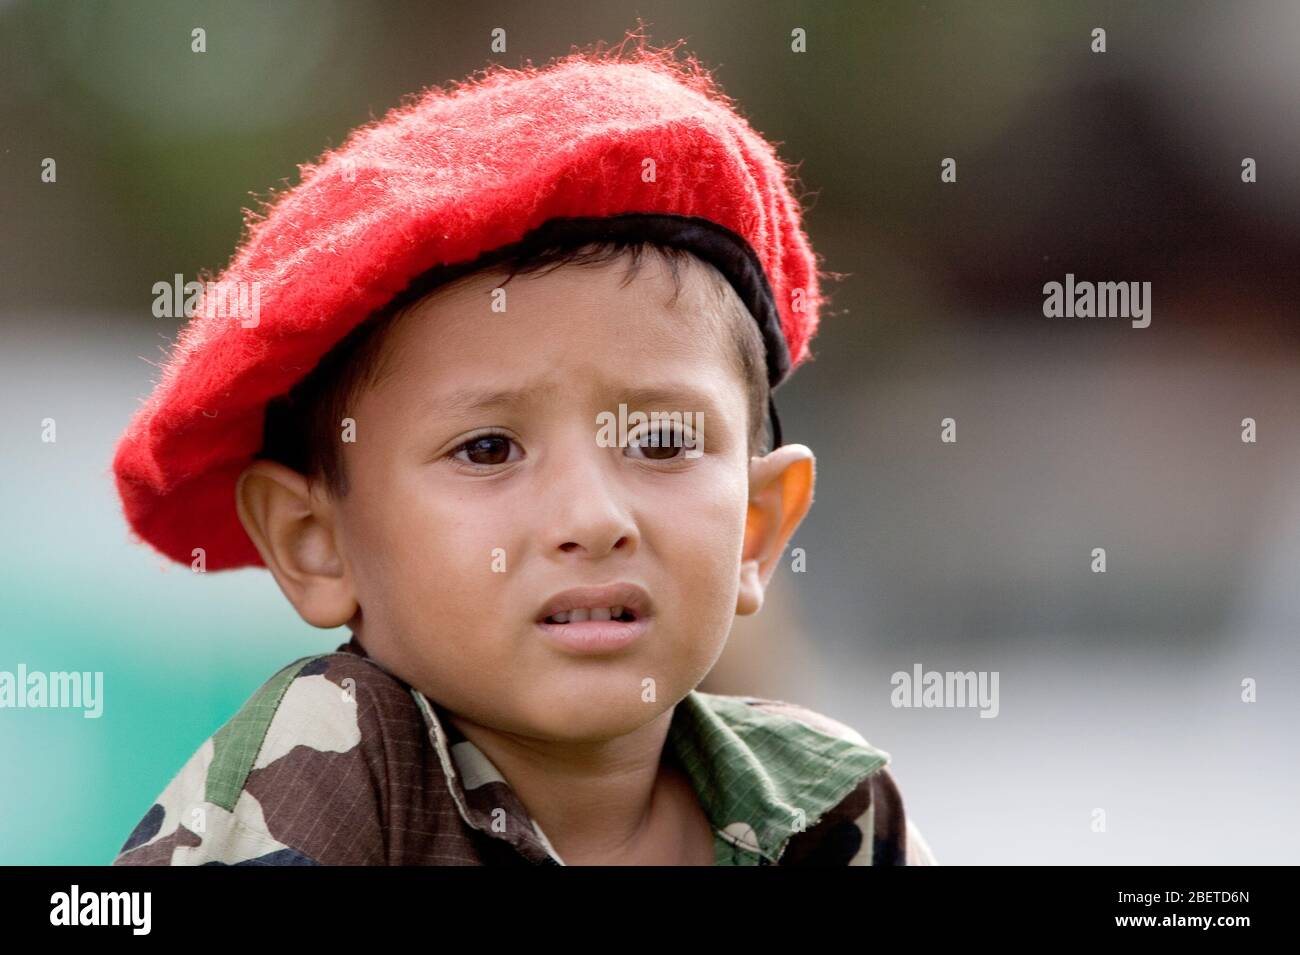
x=335, y=761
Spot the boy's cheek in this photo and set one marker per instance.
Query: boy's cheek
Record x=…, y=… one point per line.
x=706, y=565
x=711, y=530
x=443, y=532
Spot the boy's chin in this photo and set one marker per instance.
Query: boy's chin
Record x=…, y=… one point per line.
x=591, y=715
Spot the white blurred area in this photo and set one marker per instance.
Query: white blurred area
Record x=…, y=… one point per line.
x=1119, y=691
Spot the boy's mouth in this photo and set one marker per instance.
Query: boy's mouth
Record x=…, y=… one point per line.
x=621, y=602
x=595, y=620
x=582, y=614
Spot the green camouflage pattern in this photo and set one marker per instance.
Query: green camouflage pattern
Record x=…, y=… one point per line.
x=335, y=761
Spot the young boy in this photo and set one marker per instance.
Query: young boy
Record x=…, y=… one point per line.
x=501, y=412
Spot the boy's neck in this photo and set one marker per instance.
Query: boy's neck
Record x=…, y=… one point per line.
x=622, y=802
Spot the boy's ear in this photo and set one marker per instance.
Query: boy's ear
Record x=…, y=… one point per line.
x=780, y=493
x=291, y=522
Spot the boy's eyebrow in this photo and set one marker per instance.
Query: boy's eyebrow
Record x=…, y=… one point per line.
x=468, y=400
x=671, y=397
x=676, y=397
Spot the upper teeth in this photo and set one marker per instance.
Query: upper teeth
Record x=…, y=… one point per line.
x=587, y=613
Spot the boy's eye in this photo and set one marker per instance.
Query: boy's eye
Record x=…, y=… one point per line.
x=662, y=443
x=486, y=450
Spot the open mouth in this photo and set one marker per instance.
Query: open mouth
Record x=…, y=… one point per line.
x=599, y=614
x=596, y=620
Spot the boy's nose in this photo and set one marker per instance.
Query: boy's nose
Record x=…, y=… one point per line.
x=574, y=546
x=585, y=511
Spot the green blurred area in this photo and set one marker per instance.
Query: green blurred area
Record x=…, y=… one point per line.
x=71, y=787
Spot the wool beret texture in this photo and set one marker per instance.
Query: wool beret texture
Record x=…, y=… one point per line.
x=451, y=174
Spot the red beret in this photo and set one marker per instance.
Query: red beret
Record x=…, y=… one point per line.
x=448, y=177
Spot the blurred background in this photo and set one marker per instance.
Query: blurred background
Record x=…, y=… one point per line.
x=1118, y=691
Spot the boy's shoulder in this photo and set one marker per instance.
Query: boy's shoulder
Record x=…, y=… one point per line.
x=329, y=762
x=866, y=823
x=298, y=776
x=807, y=717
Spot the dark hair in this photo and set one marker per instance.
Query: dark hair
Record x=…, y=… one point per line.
x=302, y=427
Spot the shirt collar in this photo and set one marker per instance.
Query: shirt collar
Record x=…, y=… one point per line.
x=761, y=776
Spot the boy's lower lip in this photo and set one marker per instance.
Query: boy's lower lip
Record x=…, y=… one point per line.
x=593, y=636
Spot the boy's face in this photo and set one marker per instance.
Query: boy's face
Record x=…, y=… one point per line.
x=423, y=526
x=452, y=551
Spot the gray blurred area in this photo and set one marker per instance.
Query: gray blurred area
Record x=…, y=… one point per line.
x=1119, y=691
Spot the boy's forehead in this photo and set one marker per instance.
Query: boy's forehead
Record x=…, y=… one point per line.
x=644, y=323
